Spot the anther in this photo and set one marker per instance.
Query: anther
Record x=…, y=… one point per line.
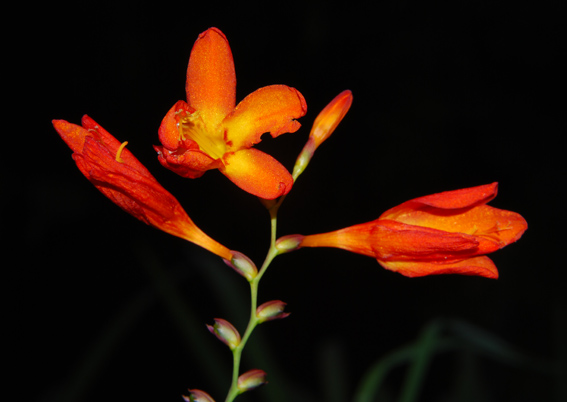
x=120, y=148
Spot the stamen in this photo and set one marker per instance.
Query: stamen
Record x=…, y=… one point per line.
x=119, y=151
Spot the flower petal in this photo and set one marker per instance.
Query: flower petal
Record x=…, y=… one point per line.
x=211, y=80
x=391, y=240
x=463, y=198
x=169, y=128
x=191, y=163
x=479, y=266
x=493, y=227
x=257, y=173
x=73, y=135
x=270, y=109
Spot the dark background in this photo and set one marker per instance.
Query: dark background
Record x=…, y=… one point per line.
x=445, y=97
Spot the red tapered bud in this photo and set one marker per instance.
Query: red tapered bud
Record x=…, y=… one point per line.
x=251, y=379
x=196, y=395
x=243, y=265
x=226, y=332
x=272, y=310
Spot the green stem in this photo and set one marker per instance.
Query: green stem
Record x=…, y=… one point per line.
x=233, y=392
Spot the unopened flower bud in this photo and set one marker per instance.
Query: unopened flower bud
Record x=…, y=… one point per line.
x=243, y=265
x=226, y=332
x=251, y=379
x=288, y=243
x=196, y=395
x=330, y=117
x=272, y=310
x=323, y=126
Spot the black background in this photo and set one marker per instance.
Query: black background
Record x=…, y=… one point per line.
x=445, y=97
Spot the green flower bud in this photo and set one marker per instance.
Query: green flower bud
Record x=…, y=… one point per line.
x=251, y=379
x=272, y=310
x=226, y=332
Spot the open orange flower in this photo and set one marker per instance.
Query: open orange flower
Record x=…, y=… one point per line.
x=209, y=132
x=125, y=181
x=445, y=233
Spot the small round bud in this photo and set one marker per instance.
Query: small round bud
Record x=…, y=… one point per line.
x=226, y=332
x=272, y=310
x=251, y=379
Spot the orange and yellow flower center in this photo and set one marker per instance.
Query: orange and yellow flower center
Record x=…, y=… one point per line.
x=210, y=141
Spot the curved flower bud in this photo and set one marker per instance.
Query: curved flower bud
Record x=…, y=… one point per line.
x=196, y=395
x=288, y=243
x=210, y=131
x=243, y=265
x=323, y=126
x=226, y=332
x=272, y=310
x=116, y=173
x=251, y=379
x=445, y=233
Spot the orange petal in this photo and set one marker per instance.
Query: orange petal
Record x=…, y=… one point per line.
x=392, y=240
x=493, y=227
x=211, y=80
x=257, y=173
x=479, y=266
x=191, y=163
x=464, y=198
x=270, y=109
x=169, y=128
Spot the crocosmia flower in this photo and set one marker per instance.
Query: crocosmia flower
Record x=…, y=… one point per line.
x=124, y=180
x=210, y=132
x=445, y=233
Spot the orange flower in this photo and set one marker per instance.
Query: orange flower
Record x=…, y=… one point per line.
x=445, y=233
x=209, y=132
x=121, y=177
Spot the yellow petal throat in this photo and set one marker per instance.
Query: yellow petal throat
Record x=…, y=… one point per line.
x=210, y=141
